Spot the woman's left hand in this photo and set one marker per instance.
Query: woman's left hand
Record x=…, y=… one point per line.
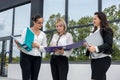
x=35, y=45
x=61, y=51
x=92, y=49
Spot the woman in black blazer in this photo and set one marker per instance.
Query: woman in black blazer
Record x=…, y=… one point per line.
x=101, y=55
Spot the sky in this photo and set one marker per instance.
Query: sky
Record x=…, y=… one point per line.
x=77, y=9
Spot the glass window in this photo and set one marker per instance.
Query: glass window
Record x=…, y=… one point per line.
x=0, y=47
x=6, y=23
x=53, y=7
x=116, y=45
x=7, y=44
x=108, y=3
x=22, y=18
x=16, y=51
x=82, y=8
x=112, y=9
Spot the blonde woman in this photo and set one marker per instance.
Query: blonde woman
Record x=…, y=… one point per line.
x=59, y=58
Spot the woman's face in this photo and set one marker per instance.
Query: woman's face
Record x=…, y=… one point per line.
x=96, y=21
x=39, y=23
x=60, y=28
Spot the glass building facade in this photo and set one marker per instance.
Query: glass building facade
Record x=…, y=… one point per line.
x=14, y=19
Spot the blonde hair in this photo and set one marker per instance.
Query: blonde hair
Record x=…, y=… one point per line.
x=62, y=21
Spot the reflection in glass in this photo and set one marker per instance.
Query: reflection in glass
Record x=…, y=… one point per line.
x=53, y=7
x=108, y=3
x=82, y=8
x=22, y=18
x=6, y=23
x=16, y=51
x=0, y=47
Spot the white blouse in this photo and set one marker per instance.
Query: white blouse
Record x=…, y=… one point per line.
x=63, y=40
x=41, y=39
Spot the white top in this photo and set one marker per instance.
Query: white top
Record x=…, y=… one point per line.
x=96, y=55
x=65, y=39
x=41, y=39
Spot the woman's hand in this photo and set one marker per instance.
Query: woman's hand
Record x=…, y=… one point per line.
x=92, y=49
x=60, y=51
x=17, y=43
x=35, y=45
x=85, y=44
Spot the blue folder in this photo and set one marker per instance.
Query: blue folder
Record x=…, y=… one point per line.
x=29, y=38
x=66, y=47
x=52, y=48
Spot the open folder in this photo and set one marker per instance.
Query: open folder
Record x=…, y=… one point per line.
x=29, y=38
x=52, y=48
x=94, y=39
x=66, y=47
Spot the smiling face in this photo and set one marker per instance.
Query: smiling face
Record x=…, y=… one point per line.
x=39, y=23
x=96, y=21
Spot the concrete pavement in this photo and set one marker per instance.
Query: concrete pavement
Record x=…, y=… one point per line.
x=5, y=78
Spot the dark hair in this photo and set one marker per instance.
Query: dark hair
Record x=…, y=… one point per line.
x=36, y=17
x=103, y=21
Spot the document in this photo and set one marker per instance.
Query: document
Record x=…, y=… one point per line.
x=29, y=38
x=94, y=39
x=21, y=46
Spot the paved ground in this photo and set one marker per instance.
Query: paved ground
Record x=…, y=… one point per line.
x=5, y=78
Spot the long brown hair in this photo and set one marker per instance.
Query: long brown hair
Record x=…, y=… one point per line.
x=103, y=21
x=104, y=26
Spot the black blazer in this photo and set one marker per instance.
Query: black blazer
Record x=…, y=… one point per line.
x=106, y=48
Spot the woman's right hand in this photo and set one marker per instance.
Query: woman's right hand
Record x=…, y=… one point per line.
x=52, y=44
x=17, y=43
x=85, y=44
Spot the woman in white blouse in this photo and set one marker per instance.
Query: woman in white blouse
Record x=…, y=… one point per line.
x=30, y=61
x=59, y=58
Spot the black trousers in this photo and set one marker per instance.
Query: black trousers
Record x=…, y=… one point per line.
x=100, y=67
x=30, y=66
x=59, y=67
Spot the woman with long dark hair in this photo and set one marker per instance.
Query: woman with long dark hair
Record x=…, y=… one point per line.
x=101, y=54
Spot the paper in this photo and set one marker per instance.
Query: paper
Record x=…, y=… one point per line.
x=29, y=38
x=16, y=40
x=94, y=39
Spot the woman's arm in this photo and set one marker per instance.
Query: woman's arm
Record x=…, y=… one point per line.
x=108, y=41
x=69, y=41
x=44, y=43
